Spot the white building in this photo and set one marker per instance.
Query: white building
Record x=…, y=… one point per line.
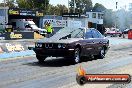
x=95, y=17
x=91, y=19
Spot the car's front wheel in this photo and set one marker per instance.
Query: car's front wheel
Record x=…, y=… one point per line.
x=101, y=53
x=40, y=58
x=77, y=55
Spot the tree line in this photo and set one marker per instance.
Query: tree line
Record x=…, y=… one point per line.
x=81, y=6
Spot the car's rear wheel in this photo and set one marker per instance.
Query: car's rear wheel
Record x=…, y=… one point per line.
x=101, y=53
x=120, y=35
x=77, y=55
x=40, y=58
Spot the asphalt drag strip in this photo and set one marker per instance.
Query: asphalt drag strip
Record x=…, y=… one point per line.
x=32, y=74
x=26, y=72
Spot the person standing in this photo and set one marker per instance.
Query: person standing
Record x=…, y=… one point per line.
x=49, y=29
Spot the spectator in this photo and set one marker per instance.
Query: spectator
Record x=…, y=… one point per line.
x=49, y=29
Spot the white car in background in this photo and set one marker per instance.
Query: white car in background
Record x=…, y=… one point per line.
x=27, y=25
x=113, y=33
x=34, y=27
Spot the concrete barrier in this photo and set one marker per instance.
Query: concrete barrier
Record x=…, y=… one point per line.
x=20, y=35
x=15, y=49
x=11, y=47
x=1, y=51
x=15, y=46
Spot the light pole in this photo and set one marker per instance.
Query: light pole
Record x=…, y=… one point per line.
x=115, y=15
x=5, y=13
x=74, y=6
x=69, y=2
x=68, y=6
x=4, y=2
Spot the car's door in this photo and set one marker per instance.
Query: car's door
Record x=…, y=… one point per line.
x=98, y=40
x=89, y=43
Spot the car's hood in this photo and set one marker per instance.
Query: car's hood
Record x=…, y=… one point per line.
x=69, y=40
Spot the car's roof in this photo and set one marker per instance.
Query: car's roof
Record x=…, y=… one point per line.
x=86, y=29
x=91, y=28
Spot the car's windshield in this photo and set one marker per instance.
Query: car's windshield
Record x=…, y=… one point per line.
x=68, y=33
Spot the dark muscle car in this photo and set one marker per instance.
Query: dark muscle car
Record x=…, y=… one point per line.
x=72, y=42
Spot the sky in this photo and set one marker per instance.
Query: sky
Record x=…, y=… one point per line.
x=109, y=4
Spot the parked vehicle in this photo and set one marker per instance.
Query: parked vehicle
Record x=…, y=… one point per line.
x=72, y=42
x=27, y=25
x=126, y=31
x=113, y=33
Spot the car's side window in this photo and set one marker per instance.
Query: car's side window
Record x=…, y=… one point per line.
x=97, y=34
x=89, y=34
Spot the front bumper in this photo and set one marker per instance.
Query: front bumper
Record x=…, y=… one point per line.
x=54, y=52
x=106, y=50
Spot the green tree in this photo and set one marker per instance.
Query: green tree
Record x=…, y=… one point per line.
x=24, y=4
x=61, y=9
x=9, y=3
x=56, y=10
x=33, y=4
x=99, y=7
